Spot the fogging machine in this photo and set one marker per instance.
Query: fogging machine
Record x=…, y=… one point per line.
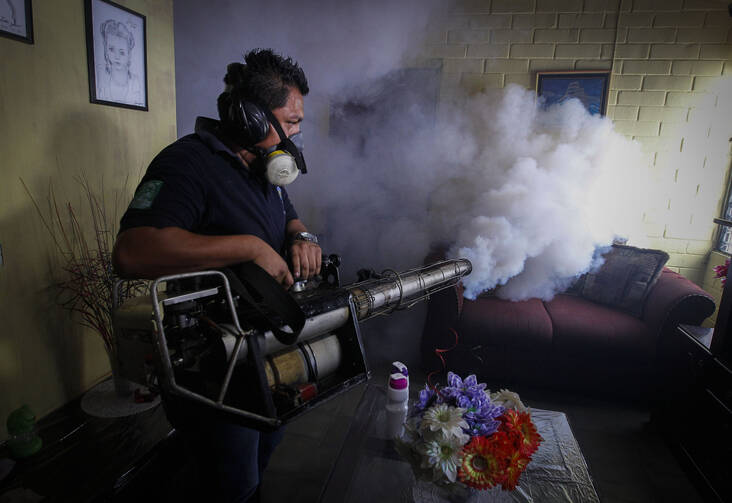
x=227, y=344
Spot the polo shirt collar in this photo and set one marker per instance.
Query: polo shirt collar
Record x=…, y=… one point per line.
x=206, y=130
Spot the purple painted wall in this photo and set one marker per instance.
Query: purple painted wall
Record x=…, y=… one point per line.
x=339, y=44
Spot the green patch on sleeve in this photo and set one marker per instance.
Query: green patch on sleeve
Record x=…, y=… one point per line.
x=146, y=194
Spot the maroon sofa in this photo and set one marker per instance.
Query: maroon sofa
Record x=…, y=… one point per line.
x=568, y=343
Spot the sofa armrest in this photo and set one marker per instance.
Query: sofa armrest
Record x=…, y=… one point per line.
x=673, y=300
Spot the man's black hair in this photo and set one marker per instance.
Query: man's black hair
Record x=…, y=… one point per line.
x=264, y=78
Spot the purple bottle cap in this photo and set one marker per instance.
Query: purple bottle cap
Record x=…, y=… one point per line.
x=398, y=381
x=399, y=368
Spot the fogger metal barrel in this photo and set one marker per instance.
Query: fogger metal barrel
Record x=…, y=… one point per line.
x=399, y=290
x=373, y=297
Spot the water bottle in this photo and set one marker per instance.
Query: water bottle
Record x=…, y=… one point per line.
x=397, y=398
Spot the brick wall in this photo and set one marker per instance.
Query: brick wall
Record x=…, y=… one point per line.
x=670, y=64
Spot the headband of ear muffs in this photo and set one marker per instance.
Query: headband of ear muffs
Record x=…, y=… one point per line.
x=246, y=122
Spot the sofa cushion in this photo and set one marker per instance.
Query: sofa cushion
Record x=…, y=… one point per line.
x=625, y=279
x=582, y=327
x=497, y=322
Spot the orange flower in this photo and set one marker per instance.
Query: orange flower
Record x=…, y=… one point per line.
x=516, y=467
x=520, y=422
x=485, y=460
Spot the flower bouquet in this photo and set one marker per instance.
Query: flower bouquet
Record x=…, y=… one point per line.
x=463, y=435
x=720, y=272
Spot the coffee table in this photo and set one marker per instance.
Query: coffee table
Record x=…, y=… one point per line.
x=368, y=469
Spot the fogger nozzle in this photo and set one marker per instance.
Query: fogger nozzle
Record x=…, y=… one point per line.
x=397, y=290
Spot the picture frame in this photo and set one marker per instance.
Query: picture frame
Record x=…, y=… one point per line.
x=590, y=87
x=16, y=20
x=116, y=45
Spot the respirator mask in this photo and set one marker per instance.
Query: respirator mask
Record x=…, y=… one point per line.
x=284, y=161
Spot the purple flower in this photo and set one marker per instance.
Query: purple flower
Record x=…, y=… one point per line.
x=483, y=429
x=456, y=387
x=427, y=398
x=480, y=412
x=487, y=413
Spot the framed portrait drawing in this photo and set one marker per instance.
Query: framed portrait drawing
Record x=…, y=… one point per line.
x=116, y=55
x=588, y=87
x=16, y=20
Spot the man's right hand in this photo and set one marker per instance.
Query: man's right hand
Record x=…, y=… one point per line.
x=274, y=264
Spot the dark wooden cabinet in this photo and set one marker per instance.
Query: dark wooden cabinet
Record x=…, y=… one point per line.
x=695, y=410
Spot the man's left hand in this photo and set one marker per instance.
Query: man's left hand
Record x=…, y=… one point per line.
x=306, y=258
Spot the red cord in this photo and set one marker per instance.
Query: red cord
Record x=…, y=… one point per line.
x=439, y=352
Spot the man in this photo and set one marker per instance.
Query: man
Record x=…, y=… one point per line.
x=208, y=201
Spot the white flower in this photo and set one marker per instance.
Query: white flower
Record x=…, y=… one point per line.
x=509, y=400
x=442, y=455
x=446, y=419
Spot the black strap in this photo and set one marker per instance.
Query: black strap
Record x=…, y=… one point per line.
x=250, y=281
x=284, y=140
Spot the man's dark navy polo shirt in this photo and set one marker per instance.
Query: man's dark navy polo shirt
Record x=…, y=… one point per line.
x=199, y=185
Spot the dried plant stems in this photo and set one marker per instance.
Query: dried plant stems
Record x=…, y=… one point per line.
x=87, y=277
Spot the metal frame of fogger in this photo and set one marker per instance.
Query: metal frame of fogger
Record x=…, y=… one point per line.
x=363, y=300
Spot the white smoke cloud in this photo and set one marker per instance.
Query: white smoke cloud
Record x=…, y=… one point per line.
x=549, y=187
x=526, y=194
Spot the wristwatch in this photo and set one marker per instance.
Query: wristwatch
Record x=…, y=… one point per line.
x=304, y=236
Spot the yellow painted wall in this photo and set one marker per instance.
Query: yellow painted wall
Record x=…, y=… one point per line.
x=49, y=133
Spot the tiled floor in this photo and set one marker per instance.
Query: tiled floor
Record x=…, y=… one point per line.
x=628, y=461
x=301, y=464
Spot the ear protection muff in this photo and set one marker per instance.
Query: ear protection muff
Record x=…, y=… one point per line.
x=245, y=122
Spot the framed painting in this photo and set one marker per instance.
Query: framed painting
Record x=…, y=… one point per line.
x=16, y=20
x=588, y=87
x=116, y=55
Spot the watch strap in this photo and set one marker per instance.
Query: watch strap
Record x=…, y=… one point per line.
x=305, y=236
